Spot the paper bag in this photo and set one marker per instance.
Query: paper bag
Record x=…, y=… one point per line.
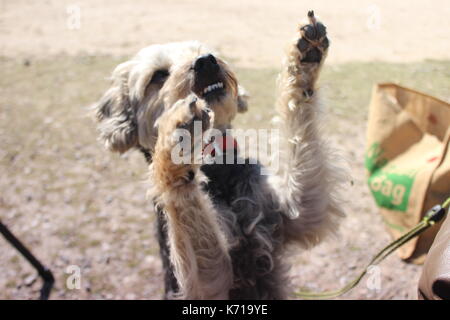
x=408, y=160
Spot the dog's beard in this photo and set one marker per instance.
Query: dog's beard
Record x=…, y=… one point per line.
x=218, y=89
x=225, y=109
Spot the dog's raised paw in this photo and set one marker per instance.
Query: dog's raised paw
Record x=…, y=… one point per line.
x=313, y=41
x=188, y=119
x=198, y=113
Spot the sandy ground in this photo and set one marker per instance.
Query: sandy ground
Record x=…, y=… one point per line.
x=121, y=260
x=250, y=32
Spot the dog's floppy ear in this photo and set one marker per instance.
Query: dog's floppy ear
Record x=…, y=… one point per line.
x=127, y=111
x=243, y=97
x=116, y=116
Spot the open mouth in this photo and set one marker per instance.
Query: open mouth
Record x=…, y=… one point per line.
x=213, y=91
x=213, y=87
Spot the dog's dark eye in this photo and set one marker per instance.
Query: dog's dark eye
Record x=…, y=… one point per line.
x=159, y=76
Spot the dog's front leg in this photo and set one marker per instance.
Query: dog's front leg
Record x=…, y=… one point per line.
x=309, y=176
x=198, y=247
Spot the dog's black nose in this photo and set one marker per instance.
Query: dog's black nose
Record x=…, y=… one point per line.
x=206, y=63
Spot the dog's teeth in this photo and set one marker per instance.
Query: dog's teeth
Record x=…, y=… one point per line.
x=213, y=87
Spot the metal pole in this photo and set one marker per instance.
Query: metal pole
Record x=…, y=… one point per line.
x=44, y=273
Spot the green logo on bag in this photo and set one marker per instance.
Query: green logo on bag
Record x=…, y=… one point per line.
x=390, y=186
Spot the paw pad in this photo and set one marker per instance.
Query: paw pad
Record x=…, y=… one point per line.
x=313, y=41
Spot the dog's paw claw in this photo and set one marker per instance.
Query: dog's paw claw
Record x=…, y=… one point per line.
x=313, y=41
